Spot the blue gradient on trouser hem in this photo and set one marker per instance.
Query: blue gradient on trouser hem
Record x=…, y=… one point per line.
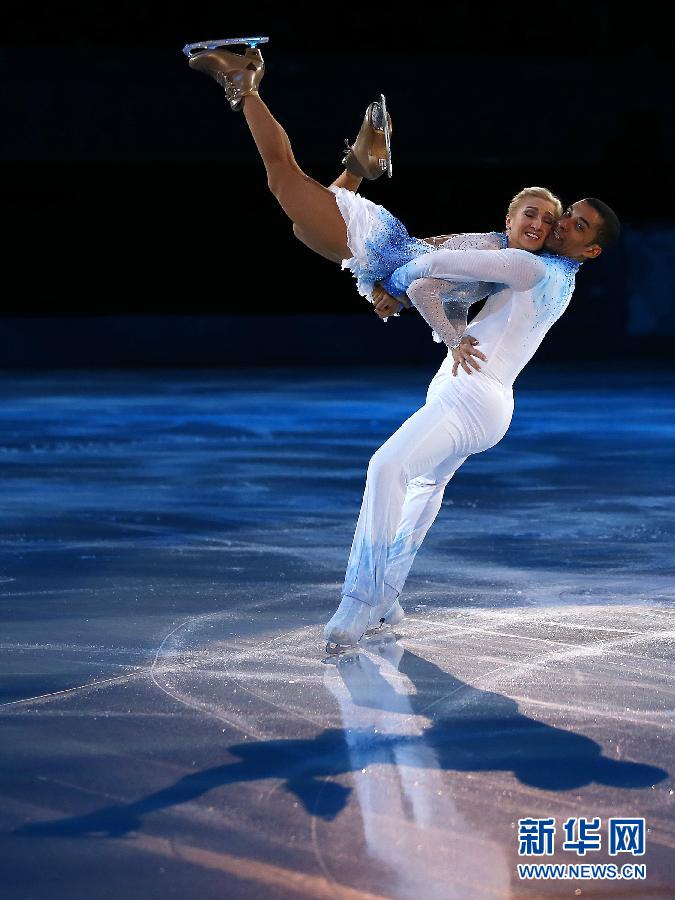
x=408, y=475
x=392, y=561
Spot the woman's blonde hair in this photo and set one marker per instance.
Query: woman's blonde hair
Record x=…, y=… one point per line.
x=541, y=192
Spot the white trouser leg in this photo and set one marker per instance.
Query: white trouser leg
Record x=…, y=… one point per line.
x=421, y=506
x=396, y=513
x=423, y=499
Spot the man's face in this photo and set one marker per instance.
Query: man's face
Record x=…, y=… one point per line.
x=575, y=233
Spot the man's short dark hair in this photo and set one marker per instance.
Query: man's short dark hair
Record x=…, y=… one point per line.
x=610, y=229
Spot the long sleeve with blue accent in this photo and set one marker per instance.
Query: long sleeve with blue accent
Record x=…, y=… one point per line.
x=518, y=269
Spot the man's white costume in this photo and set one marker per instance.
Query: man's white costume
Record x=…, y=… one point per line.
x=463, y=414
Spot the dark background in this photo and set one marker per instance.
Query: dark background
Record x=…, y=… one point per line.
x=139, y=228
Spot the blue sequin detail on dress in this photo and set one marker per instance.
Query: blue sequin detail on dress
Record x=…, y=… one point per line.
x=389, y=246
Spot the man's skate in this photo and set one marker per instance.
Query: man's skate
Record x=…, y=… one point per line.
x=354, y=619
x=393, y=616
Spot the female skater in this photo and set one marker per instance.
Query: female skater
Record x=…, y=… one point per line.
x=346, y=228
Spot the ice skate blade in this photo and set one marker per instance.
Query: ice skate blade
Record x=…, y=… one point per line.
x=392, y=617
x=345, y=657
x=200, y=46
x=349, y=657
x=374, y=640
x=336, y=650
x=387, y=138
x=384, y=638
x=381, y=627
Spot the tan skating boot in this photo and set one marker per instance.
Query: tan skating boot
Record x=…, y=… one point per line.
x=239, y=74
x=370, y=154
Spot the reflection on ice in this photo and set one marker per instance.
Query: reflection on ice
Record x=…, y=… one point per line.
x=407, y=725
x=411, y=823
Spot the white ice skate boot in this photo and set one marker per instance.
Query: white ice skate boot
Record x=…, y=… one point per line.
x=348, y=625
x=392, y=617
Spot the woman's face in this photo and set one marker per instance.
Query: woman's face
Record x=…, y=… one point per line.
x=530, y=224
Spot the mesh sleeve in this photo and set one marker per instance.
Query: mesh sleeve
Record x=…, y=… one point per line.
x=444, y=305
x=447, y=319
x=488, y=240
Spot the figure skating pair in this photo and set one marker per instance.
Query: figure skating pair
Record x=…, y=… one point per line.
x=526, y=272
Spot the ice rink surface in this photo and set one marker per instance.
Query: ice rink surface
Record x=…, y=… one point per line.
x=173, y=543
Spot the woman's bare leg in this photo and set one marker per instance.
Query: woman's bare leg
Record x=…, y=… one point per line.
x=350, y=183
x=317, y=221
